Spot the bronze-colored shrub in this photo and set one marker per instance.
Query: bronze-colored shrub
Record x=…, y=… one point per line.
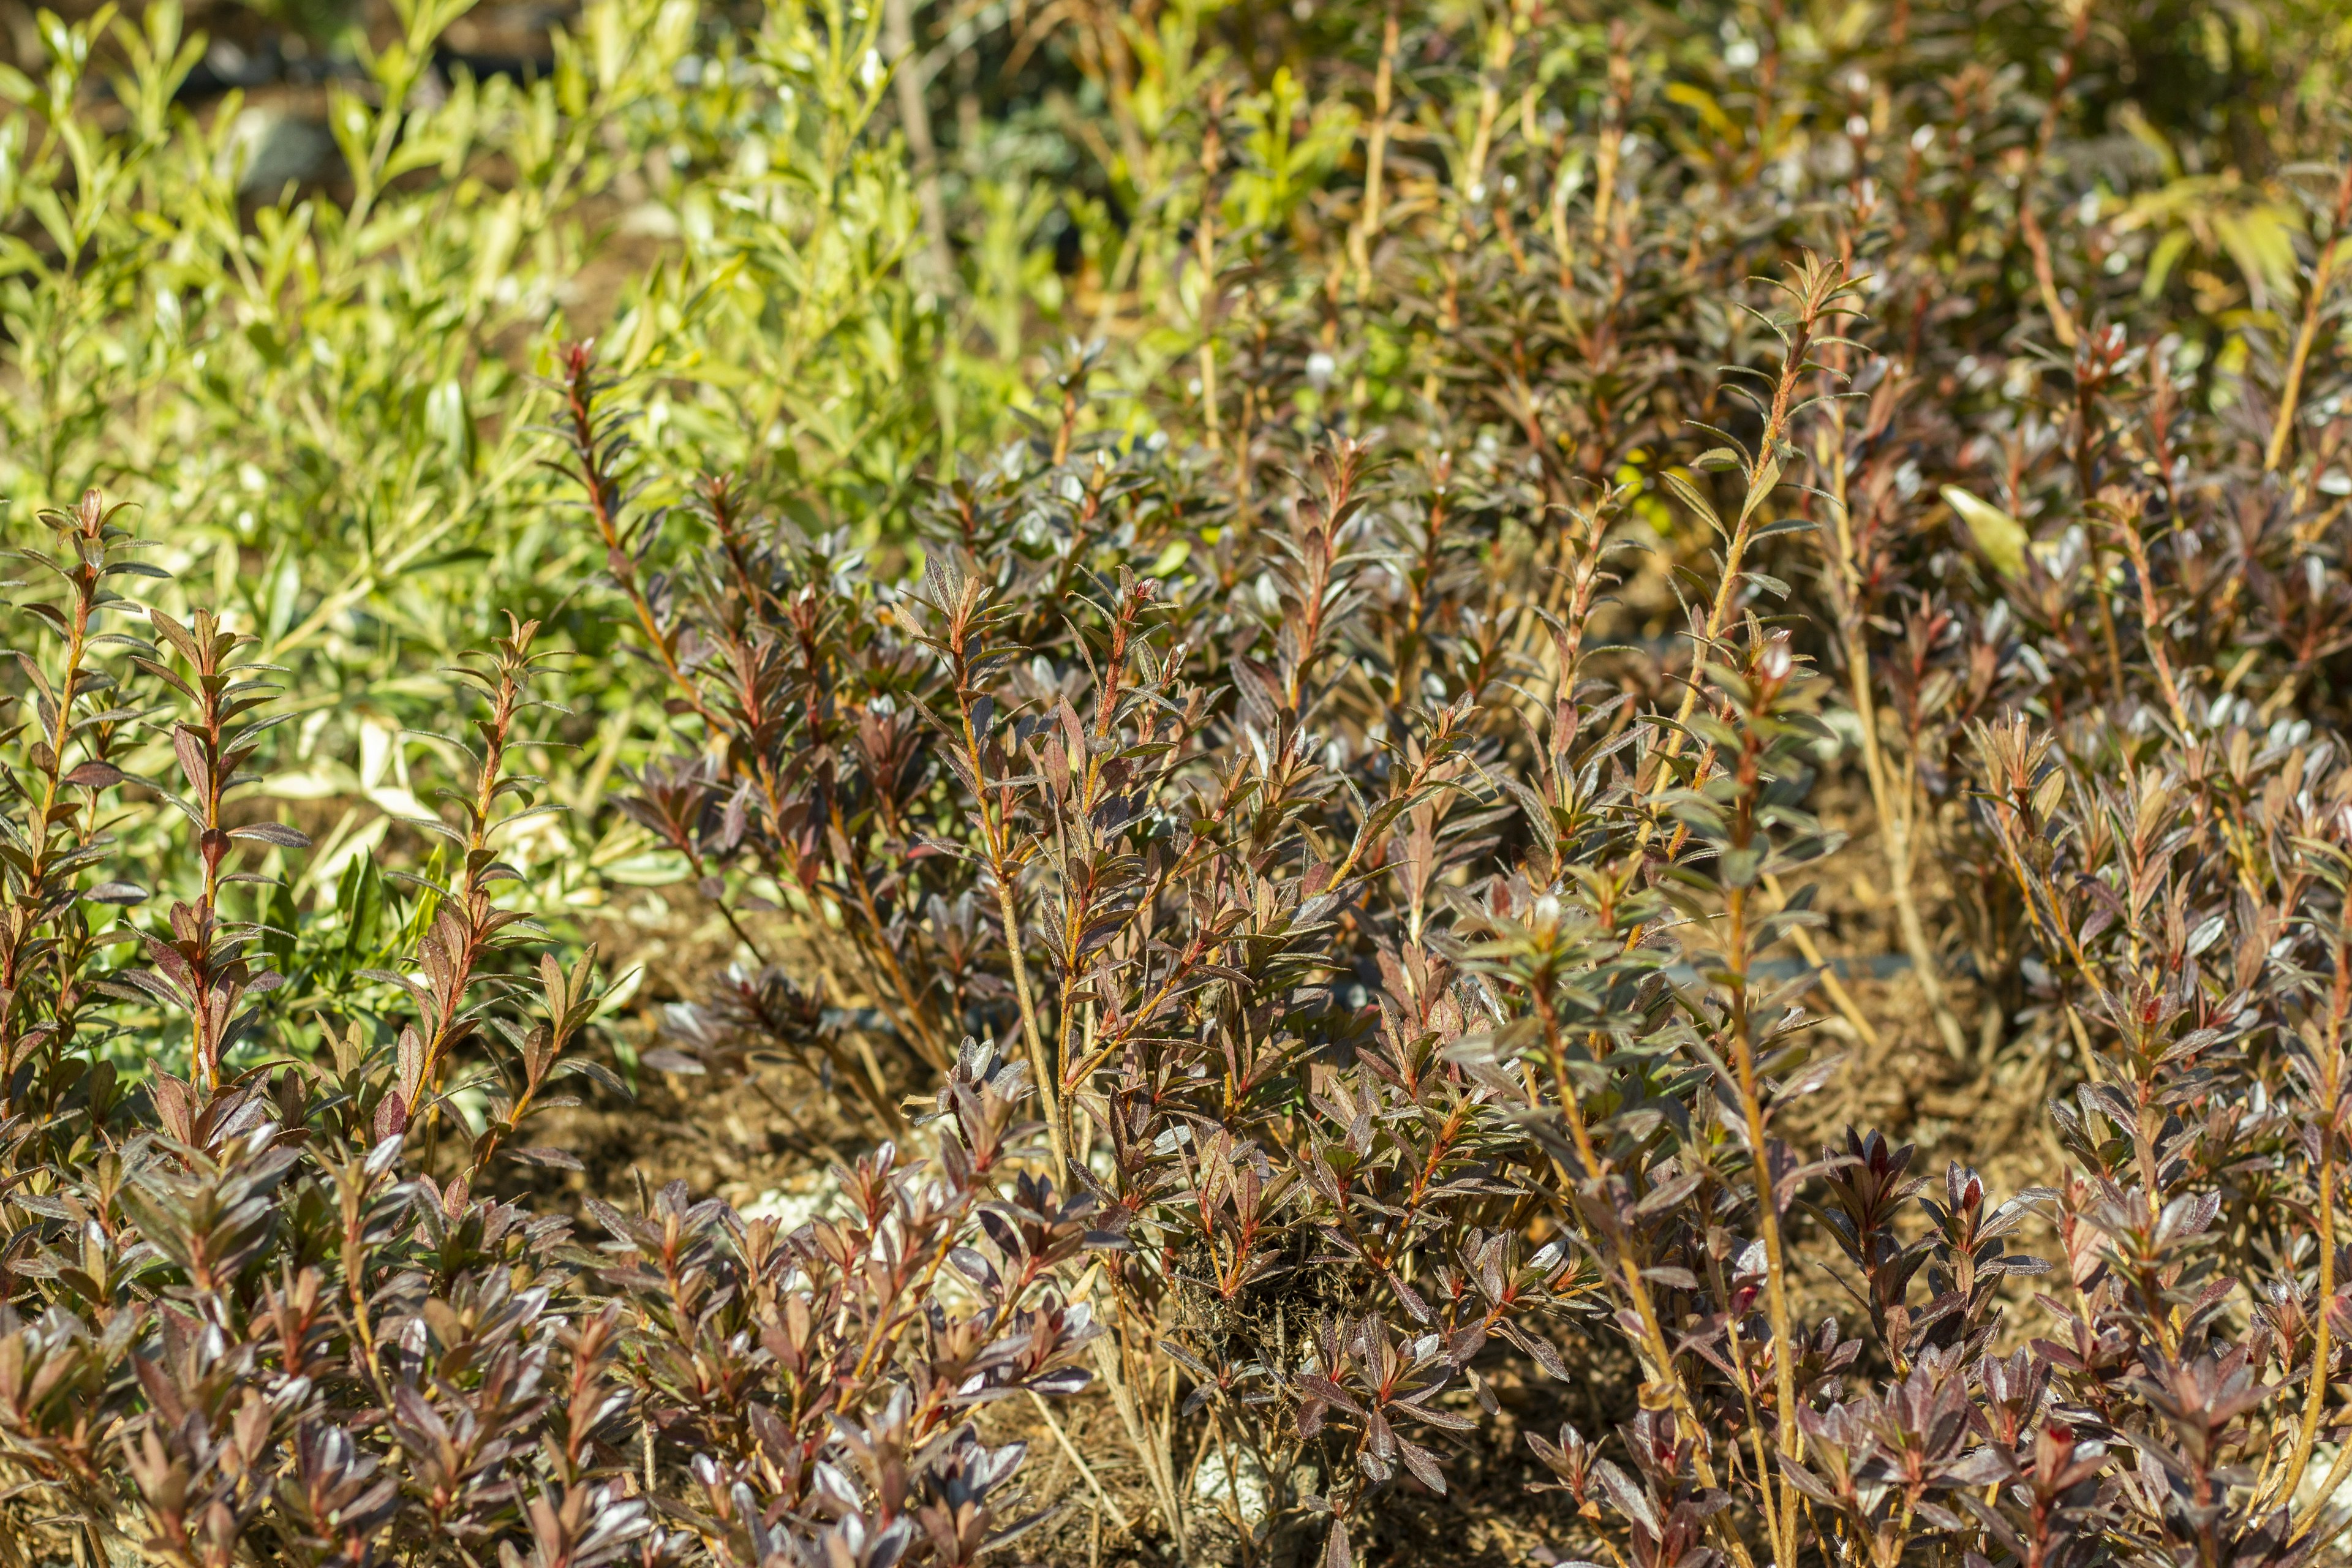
x=1305, y=878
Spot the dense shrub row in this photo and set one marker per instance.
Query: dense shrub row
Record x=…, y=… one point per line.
x=1291, y=857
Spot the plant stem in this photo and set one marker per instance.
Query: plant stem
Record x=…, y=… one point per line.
x=2331, y=1099
x=1376, y=147
x=1655, y=1345
x=2314, y=300
x=1840, y=998
x=1776, y=1278
x=915, y=120
x=996, y=836
x=603, y=507
x=1818, y=286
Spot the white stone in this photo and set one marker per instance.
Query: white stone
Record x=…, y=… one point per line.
x=1246, y=1487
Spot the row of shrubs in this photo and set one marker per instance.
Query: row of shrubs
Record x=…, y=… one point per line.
x=1285, y=871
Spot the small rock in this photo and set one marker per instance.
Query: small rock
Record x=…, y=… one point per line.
x=813, y=1199
x=1246, y=1487
x=276, y=148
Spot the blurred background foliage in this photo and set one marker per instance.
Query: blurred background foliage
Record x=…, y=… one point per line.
x=289, y=275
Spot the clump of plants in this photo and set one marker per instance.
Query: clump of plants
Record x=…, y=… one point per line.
x=261, y=1300
x=1401, y=988
x=1327, y=904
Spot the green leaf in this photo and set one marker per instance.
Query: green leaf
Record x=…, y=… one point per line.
x=2000, y=536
